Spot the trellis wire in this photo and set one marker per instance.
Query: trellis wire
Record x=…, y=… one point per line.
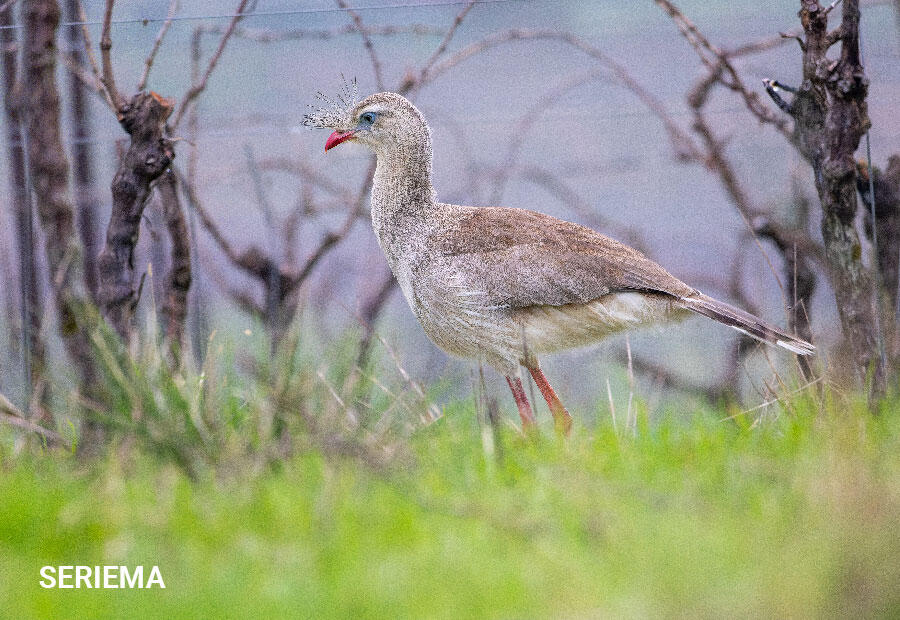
x=177, y=18
x=398, y=5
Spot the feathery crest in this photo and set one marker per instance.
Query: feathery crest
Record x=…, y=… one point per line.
x=336, y=110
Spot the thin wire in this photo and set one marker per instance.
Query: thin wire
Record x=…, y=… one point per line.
x=179, y=18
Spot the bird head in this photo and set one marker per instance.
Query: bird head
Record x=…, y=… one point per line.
x=383, y=122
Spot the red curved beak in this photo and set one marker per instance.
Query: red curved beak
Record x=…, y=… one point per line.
x=337, y=137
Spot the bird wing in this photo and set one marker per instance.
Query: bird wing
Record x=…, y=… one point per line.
x=518, y=258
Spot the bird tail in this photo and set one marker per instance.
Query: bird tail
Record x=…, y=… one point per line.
x=746, y=323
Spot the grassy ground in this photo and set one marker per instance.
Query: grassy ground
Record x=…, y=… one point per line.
x=692, y=517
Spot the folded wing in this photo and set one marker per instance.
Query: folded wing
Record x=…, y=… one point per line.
x=521, y=258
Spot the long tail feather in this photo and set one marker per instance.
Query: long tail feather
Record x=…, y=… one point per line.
x=746, y=323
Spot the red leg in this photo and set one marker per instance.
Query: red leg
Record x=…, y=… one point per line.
x=560, y=415
x=518, y=392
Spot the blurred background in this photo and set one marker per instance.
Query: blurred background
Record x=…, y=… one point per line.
x=528, y=123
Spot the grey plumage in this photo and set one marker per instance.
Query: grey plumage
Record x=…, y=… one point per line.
x=503, y=284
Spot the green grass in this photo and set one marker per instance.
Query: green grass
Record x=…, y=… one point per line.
x=692, y=517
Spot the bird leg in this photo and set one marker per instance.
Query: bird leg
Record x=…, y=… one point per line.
x=560, y=416
x=518, y=392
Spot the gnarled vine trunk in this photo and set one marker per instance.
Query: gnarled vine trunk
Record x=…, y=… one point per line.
x=831, y=117
x=149, y=154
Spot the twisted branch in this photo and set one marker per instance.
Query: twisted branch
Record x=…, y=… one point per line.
x=194, y=91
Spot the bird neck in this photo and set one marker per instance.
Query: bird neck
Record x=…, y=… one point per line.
x=401, y=189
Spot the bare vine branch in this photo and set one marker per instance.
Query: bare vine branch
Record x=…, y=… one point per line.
x=717, y=60
x=11, y=415
x=367, y=42
x=148, y=63
x=299, y=34
x=442, y=46
x=194, y=91
x=97, y=82
x=108, y=78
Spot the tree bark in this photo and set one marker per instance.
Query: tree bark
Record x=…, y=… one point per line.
x=82, y=154
x=32, y=343
x=831, y=116
x=49, y=177
x=149, y=154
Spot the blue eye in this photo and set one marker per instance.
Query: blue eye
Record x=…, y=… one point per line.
x=367, y=118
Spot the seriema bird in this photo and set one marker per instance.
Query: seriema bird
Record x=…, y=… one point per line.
x=506, y=285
